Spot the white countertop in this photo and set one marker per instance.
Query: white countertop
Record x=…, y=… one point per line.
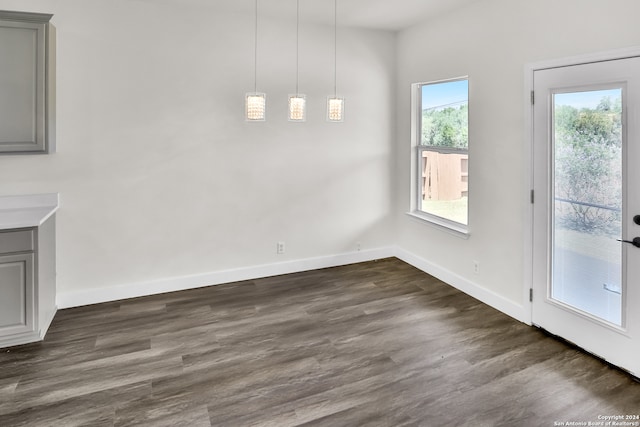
x=27, y=211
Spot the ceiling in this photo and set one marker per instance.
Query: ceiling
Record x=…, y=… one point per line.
x=391, y=15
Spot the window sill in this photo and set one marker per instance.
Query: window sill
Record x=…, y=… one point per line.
x=450, y=227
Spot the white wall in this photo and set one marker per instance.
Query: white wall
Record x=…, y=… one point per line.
x=491, y=41
x=161, y=178
x=159, y=174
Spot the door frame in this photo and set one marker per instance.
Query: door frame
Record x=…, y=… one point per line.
x=528, y=167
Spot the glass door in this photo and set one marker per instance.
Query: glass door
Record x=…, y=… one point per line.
x=587, y=202
x=586, y=269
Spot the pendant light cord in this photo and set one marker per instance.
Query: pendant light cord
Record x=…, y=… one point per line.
x=297, y=42
x=335, y=48
x=255, y=51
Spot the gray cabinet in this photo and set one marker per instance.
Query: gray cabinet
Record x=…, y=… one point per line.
x=27, y=83
x=27, y=283
x=16, y=286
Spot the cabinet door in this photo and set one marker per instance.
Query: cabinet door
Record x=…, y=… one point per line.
x=23, y=84
x=16, y=294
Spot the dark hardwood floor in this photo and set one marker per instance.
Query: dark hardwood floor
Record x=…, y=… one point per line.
x=371, y=344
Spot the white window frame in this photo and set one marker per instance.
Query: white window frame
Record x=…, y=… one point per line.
x=456, y=228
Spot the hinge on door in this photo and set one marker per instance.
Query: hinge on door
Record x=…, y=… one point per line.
x=530, y=294
x=533, y=98
x=532, y=197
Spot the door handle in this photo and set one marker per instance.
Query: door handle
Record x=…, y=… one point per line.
x=635, y=242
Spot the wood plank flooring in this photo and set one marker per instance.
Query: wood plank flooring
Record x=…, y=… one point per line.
x=371, y=344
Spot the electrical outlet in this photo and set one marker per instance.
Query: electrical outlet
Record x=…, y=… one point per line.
x=280, y=248
x=358, y=246
x=476, y=267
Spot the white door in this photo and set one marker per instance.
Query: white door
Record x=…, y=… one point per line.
x=586, y=283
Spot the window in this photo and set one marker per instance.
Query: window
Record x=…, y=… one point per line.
x=441, y=148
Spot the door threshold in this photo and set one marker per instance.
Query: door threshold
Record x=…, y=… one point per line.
x=582, y=350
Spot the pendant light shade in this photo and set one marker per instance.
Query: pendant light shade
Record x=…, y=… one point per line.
x=298, y=101
x=256, y=106
x=297, y=108
x=255, y=102
x=335, y=109
x=335, y=104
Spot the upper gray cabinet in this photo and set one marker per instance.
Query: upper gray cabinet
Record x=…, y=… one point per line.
x=27, y=83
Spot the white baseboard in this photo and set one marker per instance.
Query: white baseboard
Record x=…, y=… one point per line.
x=484, y=295
x=95, y=296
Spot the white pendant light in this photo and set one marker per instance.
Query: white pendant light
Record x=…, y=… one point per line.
x=335, y=104
x=335, y=109
x=297, y=101
x=255, y=102
x=297, y=107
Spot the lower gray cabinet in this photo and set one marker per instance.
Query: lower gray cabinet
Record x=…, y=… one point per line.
x=27, y=283
x=17, y=290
